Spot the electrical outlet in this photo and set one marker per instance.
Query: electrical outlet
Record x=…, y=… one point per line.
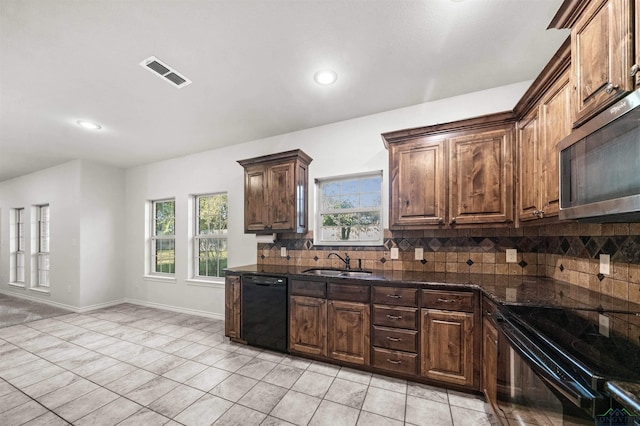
x=283, y=252
x=605, y=264
x=604, y=325
x=419, y=254
x=394, y=253
x=512, y=255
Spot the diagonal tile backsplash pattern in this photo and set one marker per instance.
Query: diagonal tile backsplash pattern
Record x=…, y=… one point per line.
x=565, y=251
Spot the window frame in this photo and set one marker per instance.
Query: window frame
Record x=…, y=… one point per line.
x=319, y=212
x=20, y=245
x=198, y=236
x=154, y=238
x=43, y=246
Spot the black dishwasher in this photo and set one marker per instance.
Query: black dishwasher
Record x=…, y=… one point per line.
x=264, y=311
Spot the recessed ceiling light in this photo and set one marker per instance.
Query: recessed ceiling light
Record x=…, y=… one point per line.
x=88, y=125
x=325, y=77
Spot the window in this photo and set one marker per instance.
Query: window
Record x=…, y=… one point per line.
x=349, y=210
x=16, y=245
x=163, y=241
x=210, y=239
x=43, y=246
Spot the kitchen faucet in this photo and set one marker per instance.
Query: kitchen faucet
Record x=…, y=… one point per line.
x=346, y=259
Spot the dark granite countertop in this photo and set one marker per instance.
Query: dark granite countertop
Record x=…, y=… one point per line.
x=503, y=289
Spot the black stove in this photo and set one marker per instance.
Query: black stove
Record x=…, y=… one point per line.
x=598, y=353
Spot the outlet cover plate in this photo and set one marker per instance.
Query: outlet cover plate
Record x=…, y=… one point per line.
x=419, y=255
x=512, y=255
x=283, y=251
x=605, y=264
x=394, y=253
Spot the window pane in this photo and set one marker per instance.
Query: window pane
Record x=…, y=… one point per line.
x=212, y=257
x=370, y=184
x=164, y=216
x=364, y=226
x=370, y=200
x=212, y=214
x=165, y=256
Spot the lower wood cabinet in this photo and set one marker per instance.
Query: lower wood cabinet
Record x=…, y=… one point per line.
x=232, y=307
x=490, y=362
x=348, y=336
x=308, y=325
x=447, y=346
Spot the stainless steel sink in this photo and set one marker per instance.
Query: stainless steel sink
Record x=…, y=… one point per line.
x=336, y=272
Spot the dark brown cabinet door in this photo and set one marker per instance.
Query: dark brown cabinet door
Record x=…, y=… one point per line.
x=555, y=125
x=418, y=183
x=529, y=167
x=447, y=347
x=281, y=196
x=256, y=217
x=481, y=179
x=232, y=307
x=601, y=56
x=490, y=362
x=348, y=337
x=308, y=325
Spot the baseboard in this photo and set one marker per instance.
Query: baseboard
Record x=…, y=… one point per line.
x=32, y=298
x=175, y=309
x=85, y=309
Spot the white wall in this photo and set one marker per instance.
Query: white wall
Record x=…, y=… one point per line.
x=102, y=194
x=340, y=148
x=87, y=231
x=60, y=188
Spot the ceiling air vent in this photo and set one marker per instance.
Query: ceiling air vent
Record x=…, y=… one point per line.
x=164, y=71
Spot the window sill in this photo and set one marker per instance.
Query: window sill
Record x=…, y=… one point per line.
x=43, y=290
x=19, y=285
x=160, y=279
x=205, y=283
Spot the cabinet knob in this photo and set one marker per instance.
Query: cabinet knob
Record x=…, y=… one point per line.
x=611, y=87
x=440, y=221
x=452, y=221
x=634, y=70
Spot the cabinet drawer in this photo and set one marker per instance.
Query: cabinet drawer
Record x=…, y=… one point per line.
x=348, y=292
x=308, y=288
x=448, y=300
x=395, y=317
x=396, y=361
x=395, y=296
x=395, y=338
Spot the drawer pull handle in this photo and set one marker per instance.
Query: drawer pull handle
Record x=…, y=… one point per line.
x=393, y=361
x=394, y=296
x=394, y=317
x=393, y=339
x=447, y=300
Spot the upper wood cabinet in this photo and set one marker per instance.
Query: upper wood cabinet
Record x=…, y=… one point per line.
x=481, y=177
x=276, y=192
x=452, y=174
x=601, y=52
x=546, y=119
x=418, y=182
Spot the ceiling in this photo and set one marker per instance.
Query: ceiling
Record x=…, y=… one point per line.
x=251, y=63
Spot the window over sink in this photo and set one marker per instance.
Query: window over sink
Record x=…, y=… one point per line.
x=349, y=210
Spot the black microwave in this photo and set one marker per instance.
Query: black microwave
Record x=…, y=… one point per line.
x=599, y=166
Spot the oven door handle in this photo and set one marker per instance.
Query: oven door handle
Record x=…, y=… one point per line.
x=567, y=386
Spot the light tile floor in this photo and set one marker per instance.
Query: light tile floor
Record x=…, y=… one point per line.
x=133, y=365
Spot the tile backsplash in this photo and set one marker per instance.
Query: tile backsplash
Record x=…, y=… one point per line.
x=567, y=251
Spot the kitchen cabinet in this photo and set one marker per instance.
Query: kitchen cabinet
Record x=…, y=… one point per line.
x=481, y=177
x=232, y=306
x=276, y=192
x=453, y=174
x=490, y=362
x=330, y=320
x=545, y=111
x=308, y=325
x=418, y=182
x=348, y=336
x=448, y=344
x=602, y=45
x=395, y=329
